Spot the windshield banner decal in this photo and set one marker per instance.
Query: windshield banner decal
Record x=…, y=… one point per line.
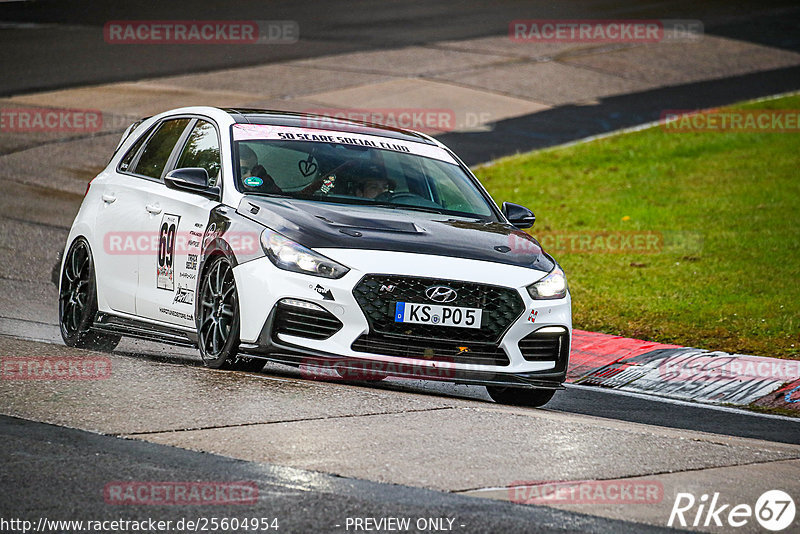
x=248, y=132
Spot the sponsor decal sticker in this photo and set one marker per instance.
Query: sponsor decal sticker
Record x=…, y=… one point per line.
x=211, y=234
x=179, y=315
x=307, y=166
x=191, y=262
x=328, y=184
x=249, y=132
x=183, y=295
x=253, y=181
x=165, y=272
x=326, y=293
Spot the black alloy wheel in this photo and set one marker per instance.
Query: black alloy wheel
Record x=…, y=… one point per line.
x=218, y=320
x=77, y=301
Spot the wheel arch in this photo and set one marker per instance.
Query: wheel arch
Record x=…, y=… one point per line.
x=215, y=248
x=77, y=232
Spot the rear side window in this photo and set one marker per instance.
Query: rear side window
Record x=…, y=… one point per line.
x=202, y=150
x=158, y=149
x=128, y=159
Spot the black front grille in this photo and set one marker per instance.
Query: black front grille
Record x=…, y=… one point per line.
x=437, y=350
x=544, y=346
x=302, y=322
x=377, y=296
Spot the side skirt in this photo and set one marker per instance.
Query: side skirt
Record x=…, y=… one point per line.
x=111, y=324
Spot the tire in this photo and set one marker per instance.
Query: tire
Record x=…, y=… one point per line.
x=218, y=320
x=55, y=272
x=77, y=301
x=520, y=396
x=244, y=363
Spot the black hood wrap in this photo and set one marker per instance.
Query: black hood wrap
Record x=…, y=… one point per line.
x=327, y=225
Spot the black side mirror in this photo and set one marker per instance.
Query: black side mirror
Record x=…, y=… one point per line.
x=519, y=216
x=192, y=179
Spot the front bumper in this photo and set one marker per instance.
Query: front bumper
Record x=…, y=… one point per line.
x=262, y=286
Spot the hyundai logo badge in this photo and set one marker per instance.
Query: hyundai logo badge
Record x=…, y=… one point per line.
x=441, y=294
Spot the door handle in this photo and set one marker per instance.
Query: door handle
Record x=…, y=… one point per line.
x=109, y=199
x=153, y=208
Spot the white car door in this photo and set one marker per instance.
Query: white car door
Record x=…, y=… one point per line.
x=120, y=236
x=168, y=279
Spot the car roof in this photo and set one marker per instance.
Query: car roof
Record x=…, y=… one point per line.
x=322, y=122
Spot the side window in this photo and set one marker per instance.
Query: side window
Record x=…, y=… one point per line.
x=202, y=150
x=159, y=147
x=128, y=159
x=455, y=191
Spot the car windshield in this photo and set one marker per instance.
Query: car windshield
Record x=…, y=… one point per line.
x=348, y=173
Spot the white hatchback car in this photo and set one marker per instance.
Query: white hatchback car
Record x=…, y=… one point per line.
x=315, y=242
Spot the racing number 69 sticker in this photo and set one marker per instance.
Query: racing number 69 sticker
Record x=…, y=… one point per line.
x=165, y=274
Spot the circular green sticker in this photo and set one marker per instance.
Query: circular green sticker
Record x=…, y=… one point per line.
x=253, y=181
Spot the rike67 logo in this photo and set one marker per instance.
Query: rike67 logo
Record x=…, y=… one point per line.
x=774, y=510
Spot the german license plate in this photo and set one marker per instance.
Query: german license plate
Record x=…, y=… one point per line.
x=410, y=312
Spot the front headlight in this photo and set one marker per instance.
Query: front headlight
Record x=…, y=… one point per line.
x=552, y=286
x=291, y=256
